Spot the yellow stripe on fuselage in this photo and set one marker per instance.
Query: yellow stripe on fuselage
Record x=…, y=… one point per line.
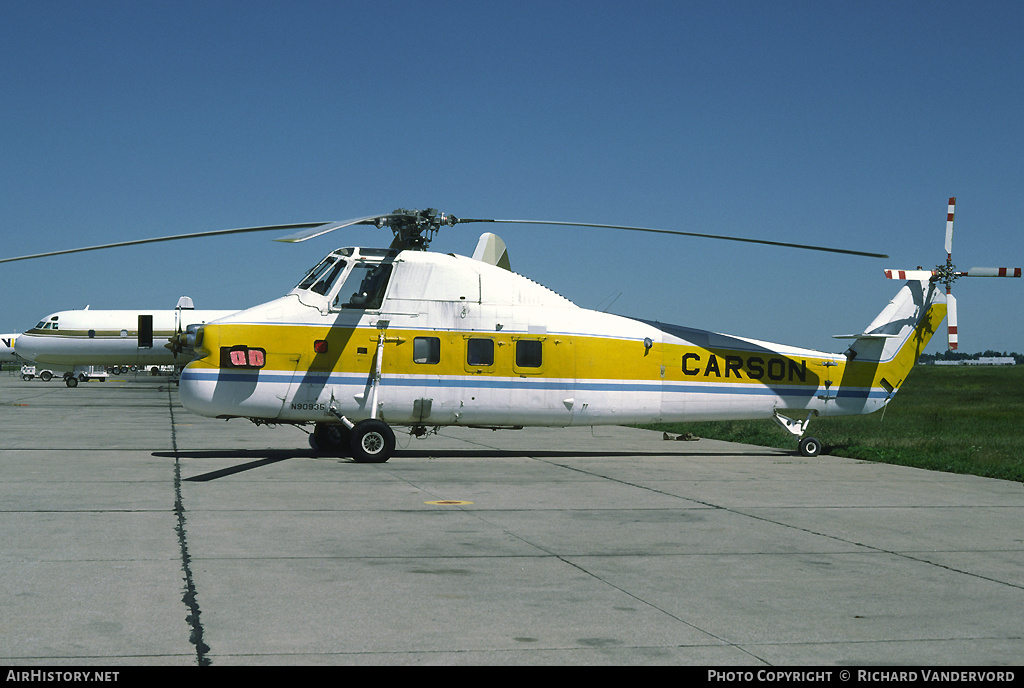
x=289, y=347
x=583, y=357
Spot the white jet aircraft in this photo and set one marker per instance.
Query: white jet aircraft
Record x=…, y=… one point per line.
x=70, y=341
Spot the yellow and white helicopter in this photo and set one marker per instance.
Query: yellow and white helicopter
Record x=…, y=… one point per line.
x=374, y=338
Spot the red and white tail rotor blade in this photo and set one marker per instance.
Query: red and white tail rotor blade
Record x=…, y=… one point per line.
x=949, y=228
x=991, y=272
x=909, y=274
x=951, y=321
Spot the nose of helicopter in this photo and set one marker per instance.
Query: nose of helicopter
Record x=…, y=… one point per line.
x=196, y=390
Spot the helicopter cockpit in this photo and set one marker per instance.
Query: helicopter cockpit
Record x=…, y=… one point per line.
x=350, y=278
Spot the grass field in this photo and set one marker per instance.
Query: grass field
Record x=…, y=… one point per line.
x=959, y=419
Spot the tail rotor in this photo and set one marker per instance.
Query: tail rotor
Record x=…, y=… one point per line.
x=947, y=274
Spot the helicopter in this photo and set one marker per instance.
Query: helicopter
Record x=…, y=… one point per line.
x=371, y=339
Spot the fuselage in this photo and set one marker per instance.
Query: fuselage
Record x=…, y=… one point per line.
x=423, y=339
x=109, y=337
x=7, y=352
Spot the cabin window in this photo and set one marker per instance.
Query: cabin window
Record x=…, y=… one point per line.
x=426, y=350
x=480, y=352
x=365, y=286
x=528, y=353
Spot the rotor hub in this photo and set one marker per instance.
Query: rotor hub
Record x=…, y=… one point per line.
x=946, y=273
x=415, y=229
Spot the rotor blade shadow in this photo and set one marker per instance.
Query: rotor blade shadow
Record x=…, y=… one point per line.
x=267, y=459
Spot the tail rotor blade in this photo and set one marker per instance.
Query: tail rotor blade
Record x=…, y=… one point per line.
x=908, y=274
x=949, y=228
x=992, y=272
x=951, y=321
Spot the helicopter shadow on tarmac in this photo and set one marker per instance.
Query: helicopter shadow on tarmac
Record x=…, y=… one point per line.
x=257, y=458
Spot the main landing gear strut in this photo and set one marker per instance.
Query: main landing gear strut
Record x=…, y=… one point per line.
x=371, y=440
x=808, y=446
x=368, y=441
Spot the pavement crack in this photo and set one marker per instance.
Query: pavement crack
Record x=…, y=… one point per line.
x=189, y=597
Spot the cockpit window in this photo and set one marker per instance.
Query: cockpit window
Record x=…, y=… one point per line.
x=320, y=278
x=365, y=286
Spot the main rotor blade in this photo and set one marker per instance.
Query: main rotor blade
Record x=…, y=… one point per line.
x=136, y=242
x=690, y=234
x=325, y=227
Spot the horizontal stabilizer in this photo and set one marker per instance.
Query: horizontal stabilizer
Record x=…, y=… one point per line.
x=864, y=335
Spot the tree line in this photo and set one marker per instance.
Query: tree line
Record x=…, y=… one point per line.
x=961, y=356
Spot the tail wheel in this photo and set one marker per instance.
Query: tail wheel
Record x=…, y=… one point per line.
x=373, y=441
x=810, y=446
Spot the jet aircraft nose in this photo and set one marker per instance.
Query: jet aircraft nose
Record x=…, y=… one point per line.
x=26, y=346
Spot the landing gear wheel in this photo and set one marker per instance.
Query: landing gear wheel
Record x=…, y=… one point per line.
x=330, y=437
x=372, y=441
x=71, y=381
x=810, y=446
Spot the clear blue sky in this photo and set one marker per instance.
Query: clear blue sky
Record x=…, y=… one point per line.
x=840, y=123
